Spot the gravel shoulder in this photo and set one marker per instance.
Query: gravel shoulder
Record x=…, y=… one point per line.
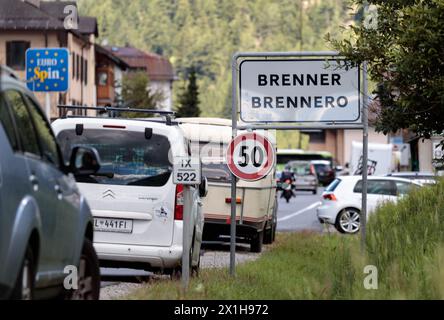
x=214, y=256
x=113, y=291
x=221, y=259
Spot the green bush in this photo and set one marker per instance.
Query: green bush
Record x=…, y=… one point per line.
x=405, y=240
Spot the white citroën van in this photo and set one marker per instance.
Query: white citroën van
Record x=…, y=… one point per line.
x=256, y=201
x=138, y=211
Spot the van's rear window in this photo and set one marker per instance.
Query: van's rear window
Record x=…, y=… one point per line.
x=217, y=172
x=127, y=157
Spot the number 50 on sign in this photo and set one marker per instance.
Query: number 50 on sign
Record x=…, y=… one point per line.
x=250, y=156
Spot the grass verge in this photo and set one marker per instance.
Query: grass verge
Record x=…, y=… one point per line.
x=405, y=242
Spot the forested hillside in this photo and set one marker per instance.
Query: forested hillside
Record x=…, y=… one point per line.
x=205, y=33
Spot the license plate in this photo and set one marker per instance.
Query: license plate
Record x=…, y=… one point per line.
x=113, y=225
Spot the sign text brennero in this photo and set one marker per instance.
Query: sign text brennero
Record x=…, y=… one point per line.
x=298, y=91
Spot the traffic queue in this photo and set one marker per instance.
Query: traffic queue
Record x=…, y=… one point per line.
x=91, y=192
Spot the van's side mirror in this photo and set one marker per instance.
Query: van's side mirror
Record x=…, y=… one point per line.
x=339, y=168
x=84, y=161
x=203, y=187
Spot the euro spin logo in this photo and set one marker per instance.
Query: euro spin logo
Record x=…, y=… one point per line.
x=43, y=75
x=47, y=70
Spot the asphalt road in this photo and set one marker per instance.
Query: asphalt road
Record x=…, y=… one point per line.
x=300, y=213
x=297, y=215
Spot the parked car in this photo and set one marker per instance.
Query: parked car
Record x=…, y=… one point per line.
x=138, y=211
x=341, y=200
x=45, y=223
x=425, y=178
x=324, y=171
x=255, y=201
x=284, y=156
x=305, y=176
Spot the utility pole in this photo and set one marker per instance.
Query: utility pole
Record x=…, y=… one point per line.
x=233, y=177
x=301, y=24
x=363, y=218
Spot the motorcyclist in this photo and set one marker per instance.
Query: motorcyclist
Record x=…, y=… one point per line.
x=287, y=174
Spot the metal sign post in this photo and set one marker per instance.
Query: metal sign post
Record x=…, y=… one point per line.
x=186, y=245
x=233, y=177
x=274, y=91
x=186, y=172
x=363, y=218
x=48, y=105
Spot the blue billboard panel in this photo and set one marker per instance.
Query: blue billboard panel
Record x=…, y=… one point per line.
x=47, y=69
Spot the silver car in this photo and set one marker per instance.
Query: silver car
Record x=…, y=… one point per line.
x=305, y=176
x=46, y=227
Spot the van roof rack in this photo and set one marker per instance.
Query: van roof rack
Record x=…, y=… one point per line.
x=168, y=114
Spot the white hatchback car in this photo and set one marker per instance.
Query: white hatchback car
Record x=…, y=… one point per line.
x=341, y=200
x=137, y=210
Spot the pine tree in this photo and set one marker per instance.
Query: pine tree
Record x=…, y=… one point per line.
x=189, y=99
x=136, y=93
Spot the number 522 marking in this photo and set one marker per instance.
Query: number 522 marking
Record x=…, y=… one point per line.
x=186, y=177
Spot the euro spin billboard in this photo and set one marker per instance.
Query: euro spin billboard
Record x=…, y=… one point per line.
x=47, y=69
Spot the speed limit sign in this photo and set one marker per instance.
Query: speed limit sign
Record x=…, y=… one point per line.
x=250, y=156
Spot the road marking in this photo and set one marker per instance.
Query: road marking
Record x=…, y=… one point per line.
x=292, y=215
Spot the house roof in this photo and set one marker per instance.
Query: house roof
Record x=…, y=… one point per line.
x=88, y=25
x=110, y=55
x=158, y=67
x=16, y=14
x=56, y=8
x=21, y=15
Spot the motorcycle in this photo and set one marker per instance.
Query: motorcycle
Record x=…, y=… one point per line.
x=287, y=190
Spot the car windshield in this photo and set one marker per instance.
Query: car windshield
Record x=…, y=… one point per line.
x=217, y=172
x=332, y=186
x=127, y=157
x=300, y=168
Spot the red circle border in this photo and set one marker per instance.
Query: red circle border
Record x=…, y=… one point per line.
x=268, y=165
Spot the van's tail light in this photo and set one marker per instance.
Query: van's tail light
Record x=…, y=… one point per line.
x=238, y=200
x=329, y=196
x=178, y=208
